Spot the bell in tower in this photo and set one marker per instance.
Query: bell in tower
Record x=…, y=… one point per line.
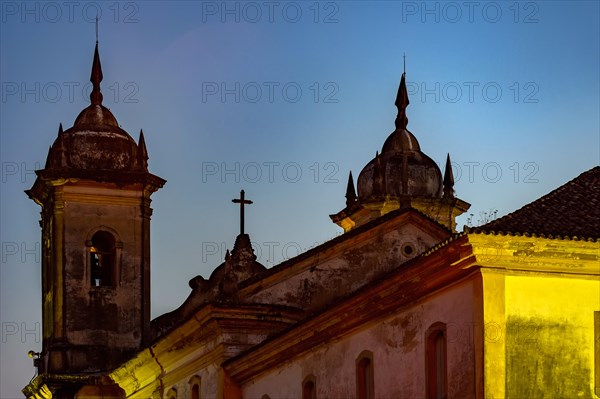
x=94, y=192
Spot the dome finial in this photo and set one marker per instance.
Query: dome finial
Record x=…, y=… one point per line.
x=448, y=179
x=96, y=77
x=401, y=103
x=350, y=192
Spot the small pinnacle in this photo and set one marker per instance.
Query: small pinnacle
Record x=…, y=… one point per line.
x=448, y=183
x=377, y=176
x=350, y=191
x=142, y=151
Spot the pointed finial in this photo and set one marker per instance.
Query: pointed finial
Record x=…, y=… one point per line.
x=96, y=78
x=401, y=103
x=96, y=29
x=448, y=179
x=350, y=192
x=48, y=161
x=227, y=255
x=59, y=155
x=142, y=151
x=377, y=176
x=404, y=57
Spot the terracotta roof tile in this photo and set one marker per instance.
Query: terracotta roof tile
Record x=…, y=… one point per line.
x=570, y=211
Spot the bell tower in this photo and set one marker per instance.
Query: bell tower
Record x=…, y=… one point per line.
x=94, y=192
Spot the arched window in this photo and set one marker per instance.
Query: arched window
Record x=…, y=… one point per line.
x=195, y=391
x=102, y=259
x=365, y=387
x=309, y=387
x=195, y=384
x=435, y=361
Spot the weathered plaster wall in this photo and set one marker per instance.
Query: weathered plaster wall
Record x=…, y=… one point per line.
x=550, y=336
x=331, y=277
x=398, y=350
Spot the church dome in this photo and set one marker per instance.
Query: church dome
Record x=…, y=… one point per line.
x=96, y=142
x=401, y=169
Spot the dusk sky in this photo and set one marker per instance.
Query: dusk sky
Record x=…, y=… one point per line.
x=283, y=99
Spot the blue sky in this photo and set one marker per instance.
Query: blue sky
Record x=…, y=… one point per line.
x=283, y=100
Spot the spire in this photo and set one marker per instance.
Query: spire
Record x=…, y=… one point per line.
x=448, y=179
x=142, y=152
x=96, y=78
x=401, y=103
x=350, y=192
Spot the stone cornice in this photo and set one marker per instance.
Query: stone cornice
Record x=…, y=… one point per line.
x=206, y=338
x=535, y=254
x=49, y=179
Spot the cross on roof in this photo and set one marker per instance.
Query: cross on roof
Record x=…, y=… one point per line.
x=242, y=201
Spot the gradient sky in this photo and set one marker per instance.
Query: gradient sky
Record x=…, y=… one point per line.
x=283, y=100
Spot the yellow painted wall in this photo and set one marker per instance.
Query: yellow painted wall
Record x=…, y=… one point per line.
x=550, y=335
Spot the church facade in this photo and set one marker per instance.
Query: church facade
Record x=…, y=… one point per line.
x=399, y=306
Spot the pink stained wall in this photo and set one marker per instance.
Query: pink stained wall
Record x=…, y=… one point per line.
x=398, y=346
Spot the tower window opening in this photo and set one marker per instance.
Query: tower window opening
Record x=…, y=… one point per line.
x=102, y=259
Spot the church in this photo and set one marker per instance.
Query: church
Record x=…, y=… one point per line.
x=400, y=305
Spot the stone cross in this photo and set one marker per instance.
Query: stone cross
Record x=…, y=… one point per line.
x=242, y=201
